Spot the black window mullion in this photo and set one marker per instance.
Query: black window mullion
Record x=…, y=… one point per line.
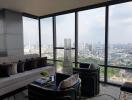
x=54, y=39
x=39, y=27
x=106, y=43
x=76, y=38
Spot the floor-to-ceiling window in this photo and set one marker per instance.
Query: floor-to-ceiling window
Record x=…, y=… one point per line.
x=65, y=29
x=120, y=42
x=47, y=37
x=91, y=36
x=30, y=35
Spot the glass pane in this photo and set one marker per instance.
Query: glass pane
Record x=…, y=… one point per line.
x=47, y=37
x=91, y=36
x=60, y=55
x=119, y=76
x=30, y=35
x=65, y=28
x=59, y=67
x=50, y=62
x=101, y=73
x=120, y=33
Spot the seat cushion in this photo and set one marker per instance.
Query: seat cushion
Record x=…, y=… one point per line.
x=69, y=82
x=127, y=86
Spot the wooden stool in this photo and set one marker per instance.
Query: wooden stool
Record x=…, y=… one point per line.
x=125, y=88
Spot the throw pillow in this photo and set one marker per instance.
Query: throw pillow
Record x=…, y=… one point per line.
x=42, y=62
x=13, y=69
x=5, y=70
x=34, y=63
x=20, y=66
x=27, y=65
x=69, y=82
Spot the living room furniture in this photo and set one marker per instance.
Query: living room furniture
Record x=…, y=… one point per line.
x=37, y=92
x=125, y=88
x=21, y=80
x=13, y=83
x=89, y=79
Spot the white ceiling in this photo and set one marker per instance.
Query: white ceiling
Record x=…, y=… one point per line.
x=44, y=7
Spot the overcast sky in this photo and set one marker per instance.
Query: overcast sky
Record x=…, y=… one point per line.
x=91, y=26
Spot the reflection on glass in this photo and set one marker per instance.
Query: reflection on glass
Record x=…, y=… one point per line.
x=120, y=33
x=47, y=37
x=101, y=73
x=65, y=28
x=60, y=55
x=91, y=36
x=30, y=36
x=59, y=67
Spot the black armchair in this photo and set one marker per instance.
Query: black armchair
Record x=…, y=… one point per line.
x=36, y=92
x=89, y=79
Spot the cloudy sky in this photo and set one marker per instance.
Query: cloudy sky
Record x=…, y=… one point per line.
x=91, y=26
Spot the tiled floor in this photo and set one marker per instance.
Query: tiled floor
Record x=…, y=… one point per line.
x=107, y=92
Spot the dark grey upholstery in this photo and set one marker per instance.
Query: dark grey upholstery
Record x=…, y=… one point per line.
x=89, y=80
x=40, y=93
x=127, y=86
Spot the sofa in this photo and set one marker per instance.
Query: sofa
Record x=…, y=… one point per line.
x=22, y=79
x=63, y=90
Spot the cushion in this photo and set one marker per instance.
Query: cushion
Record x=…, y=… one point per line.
x=34, y=63
x=5, y=70
x=28, y=65
x=20, y=66
x=42, y=62
x=13, y=69
x=69, y=82
x=60, y=77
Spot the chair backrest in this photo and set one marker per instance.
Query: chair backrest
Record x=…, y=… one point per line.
x=60, y=77
x=84, y=65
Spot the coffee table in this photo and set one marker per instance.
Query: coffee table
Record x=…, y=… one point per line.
x=45, y=83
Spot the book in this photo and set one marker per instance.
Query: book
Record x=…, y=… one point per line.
x=41, y=81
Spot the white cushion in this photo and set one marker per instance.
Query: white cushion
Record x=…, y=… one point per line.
x=69, y=82
x=13, y=69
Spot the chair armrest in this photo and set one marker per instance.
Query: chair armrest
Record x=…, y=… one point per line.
x=37, y=91
x=64, y=98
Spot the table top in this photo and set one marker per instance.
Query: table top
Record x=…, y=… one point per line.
x=44, y=83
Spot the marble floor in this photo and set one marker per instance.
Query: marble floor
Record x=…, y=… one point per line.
x=107, y=92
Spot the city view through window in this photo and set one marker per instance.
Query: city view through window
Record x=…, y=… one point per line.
x=91, y=38
x=30, y=36
x=47, y=38
x=120, y=42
